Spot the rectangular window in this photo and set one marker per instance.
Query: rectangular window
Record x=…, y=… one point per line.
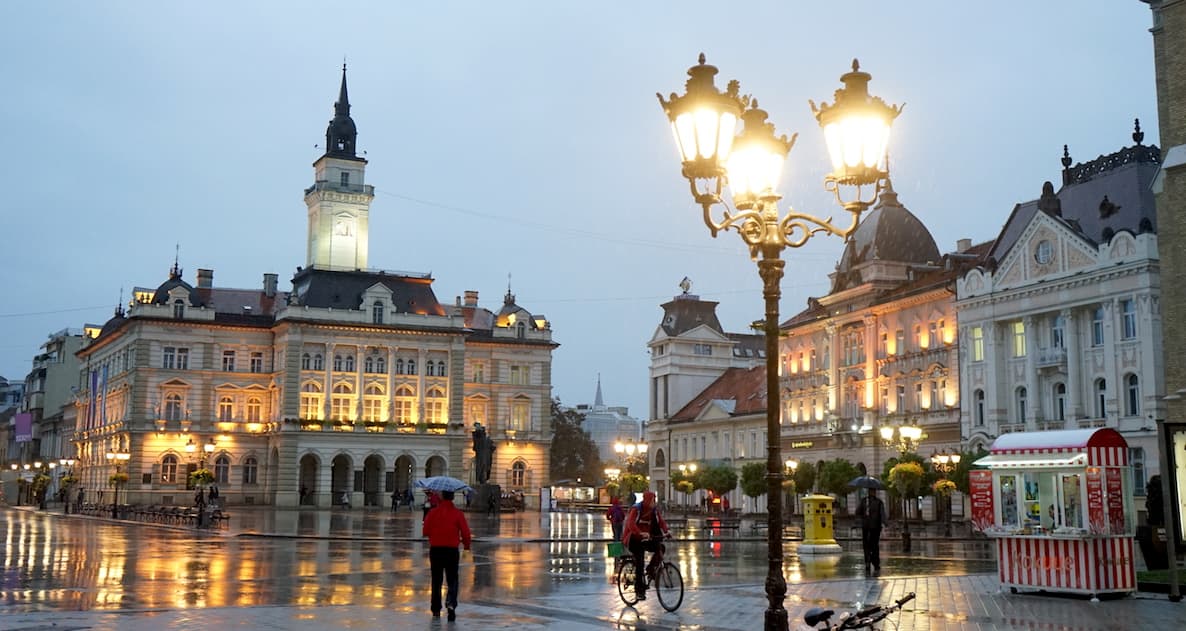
x=1128, y=312
x=519, y=375
x=933, y=335
x=918, y=402
x=183, y=359
x=701, y=349
x=936, y=396
x=1057, y=333
x=168, y=357
x=977, y=344
x=401, y=410
x=1019, y=339
x=477, y=412
x=228, y=361
x=900, y=342
x=520, y=415
x=372, y=410
x=901, y=409
x=883, y=345
x=918, y=337
x=345, y=178
x=479, y=372
x=257, y=362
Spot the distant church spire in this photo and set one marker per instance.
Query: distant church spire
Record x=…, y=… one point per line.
x=175, y=273
x=341, y=135
x=598, y=401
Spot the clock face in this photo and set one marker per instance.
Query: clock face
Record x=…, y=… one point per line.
x=1043, y=252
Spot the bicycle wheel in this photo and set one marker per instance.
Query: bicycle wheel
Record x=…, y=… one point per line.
x=669, y=586
x=626, y=582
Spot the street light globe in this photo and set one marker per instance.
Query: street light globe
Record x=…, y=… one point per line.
x=887, y=433
x=856, y=129
x=704, y=121
x=642, y=448
x=190, y=447
x=208, y=448
x=910, y=432
x=756, y=163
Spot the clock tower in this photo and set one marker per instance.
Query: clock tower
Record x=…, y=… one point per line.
x=339, y=202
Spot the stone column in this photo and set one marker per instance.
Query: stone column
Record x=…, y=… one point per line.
x=1074, y=403
x=330, y=349
x=1033, y=399
x=388, y=405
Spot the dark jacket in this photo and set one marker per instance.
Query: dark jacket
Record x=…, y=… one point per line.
x=872, y=512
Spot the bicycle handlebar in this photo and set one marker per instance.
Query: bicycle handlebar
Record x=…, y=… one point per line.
x=867, y=617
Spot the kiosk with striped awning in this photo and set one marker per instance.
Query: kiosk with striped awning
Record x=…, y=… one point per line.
x=1059, y=505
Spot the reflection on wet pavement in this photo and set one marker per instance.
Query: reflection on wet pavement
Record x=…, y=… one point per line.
x=54, y=563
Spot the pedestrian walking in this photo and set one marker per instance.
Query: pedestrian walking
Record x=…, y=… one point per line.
x=395, y=497
x=78, y=500
x=871, y=512
x=200, y=499
x=410, y=500
x=446, y=528
x=492, y=504
x=616, y=516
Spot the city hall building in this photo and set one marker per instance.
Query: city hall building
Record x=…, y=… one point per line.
x=345, y=389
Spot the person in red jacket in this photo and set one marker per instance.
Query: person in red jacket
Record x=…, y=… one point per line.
x=446, y=528
x=643, y=530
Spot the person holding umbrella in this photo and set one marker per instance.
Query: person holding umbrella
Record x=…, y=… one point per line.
x=872, y=514
x=446, y=527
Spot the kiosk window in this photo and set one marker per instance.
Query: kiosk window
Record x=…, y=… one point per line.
x=1009, y=500
x=1072, y=506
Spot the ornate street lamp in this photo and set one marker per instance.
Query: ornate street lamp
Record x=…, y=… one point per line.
x=118, y=458
x=903, y=439
x=856, y=128
x=945, y=463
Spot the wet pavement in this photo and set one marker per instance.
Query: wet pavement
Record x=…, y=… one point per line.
x=368, y=569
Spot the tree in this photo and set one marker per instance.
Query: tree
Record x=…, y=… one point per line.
x=804, y=477
x=719, y=479
x=836, y=475
x=753, y=479
x=960, y=474
x=573, y=454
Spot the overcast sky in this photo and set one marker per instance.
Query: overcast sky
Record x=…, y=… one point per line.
x=513, y=138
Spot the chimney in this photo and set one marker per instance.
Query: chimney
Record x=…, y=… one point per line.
x=963, y=245
x=471, y=298
x=270, y=281
x=205, y=278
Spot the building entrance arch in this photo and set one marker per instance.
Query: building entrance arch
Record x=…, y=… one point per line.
x=310, y=470
x=341, y=482
x=372, y=481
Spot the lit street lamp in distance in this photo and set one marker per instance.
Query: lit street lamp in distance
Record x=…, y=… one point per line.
x=118, y=458
x=792, y=466
x=903, y=439
x=945, y=463
x=856, y=128
x=687, y=470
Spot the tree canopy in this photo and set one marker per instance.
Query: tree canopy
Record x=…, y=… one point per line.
x=753, y=479
x=835, y=476
x=573, y=454
x=719, y=479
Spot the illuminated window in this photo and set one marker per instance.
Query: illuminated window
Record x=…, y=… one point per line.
x=372, y=404
x=520, y=413
x=255, y=409
x=519, y=375
x=226, y=409
x=405, y=399
x=519, y=473
x=434, y=406
x=477, y=410
x=311, y=401
x=1018, y=339
x=169, y=469
x=341, y=403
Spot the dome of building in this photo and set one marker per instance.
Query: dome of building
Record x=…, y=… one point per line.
x=888, y=233
x=161, y=295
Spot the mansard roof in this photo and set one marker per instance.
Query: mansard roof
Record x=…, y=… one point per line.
x=686, y=312
x=744, y=387
x=889, y=232
x=341, y=289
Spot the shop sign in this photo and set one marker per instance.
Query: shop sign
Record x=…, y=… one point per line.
x=1115, y=500
x=802, y=444
x=980, y=488
x=1095, y=500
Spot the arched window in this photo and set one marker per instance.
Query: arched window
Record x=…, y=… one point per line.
x=377, y=312
x=178, y=309
x=399, y=366
x=441, y=368
x=318, y=362
x=430, y=368
x=337, y=363
x=250, y=470
x=411, y=366
x=306, y=362
x=341, y=403
x=434, y=406
x=372, y=404
x=1060, y=401
x=519, y=473
x=978, y=400
x=255, y=410
x=1133, y=395
x=349, y=363
x=368, y=365
x=222, y=469
x=521, y=330
x=1136, y=458
x=169, y=469
x=226, y=409
x=173, y=407
x=1021, y=396
x=660, y=459
x=311, y=401
x=381, y=365
x=405, y=401
x=1101, y=395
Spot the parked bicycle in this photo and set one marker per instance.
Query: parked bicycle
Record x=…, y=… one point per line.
x=664, y=578
x=864, y=618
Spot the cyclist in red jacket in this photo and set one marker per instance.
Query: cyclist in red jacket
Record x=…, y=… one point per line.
x=446, y=528
x=644, y=530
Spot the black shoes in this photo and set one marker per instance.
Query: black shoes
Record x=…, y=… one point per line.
x=436, y=614
x=452, y=614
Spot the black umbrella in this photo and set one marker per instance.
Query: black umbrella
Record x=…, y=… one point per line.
x=867, y=482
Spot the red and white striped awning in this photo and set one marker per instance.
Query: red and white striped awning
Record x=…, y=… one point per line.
x=1102, y=447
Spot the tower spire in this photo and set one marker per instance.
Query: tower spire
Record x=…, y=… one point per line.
x=341, y=135
x=598, y=401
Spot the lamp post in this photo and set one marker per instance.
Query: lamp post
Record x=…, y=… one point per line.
x=67, y=472
x=904, y=439
x=856, y=128
x=687, y=470
x=945, y=463
x=118, y=458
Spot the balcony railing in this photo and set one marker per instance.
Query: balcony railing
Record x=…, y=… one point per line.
x=1052, y=357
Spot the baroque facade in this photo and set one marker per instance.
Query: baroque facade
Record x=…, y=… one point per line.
x=879, y=349
x=344, y=390
x=1061, y=322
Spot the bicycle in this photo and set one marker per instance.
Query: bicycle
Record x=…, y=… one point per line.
x=666, y=579
x=863, y=618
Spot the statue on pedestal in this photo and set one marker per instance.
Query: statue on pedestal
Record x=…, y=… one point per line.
x=483, y=453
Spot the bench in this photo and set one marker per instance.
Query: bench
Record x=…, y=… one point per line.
x=722, y=522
